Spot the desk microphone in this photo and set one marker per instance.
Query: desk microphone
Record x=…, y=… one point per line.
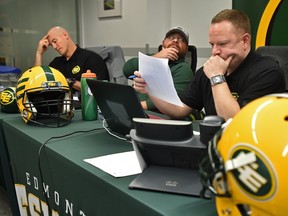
x=209, y=126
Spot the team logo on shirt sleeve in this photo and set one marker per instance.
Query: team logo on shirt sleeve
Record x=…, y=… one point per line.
x=76, y=69
x=235, y=95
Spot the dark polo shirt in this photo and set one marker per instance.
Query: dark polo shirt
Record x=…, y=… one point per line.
x=79, y=63
x=255, y=77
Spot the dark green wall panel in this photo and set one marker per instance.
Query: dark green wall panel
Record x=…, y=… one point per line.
x=277, y=33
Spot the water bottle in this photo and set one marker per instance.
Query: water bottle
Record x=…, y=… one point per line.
x=88, y=102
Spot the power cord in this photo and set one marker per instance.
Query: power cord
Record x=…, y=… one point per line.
x=39, y=156
x=112, y=134
x=128, y=139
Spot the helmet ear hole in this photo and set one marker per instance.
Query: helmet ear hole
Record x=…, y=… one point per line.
x=244, y=209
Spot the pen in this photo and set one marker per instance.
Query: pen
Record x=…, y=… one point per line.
x=132, y=77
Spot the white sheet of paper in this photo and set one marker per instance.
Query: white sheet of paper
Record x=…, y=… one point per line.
x=117, y=165
x=157, y=75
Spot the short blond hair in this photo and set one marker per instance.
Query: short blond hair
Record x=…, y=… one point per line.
x=238, y=19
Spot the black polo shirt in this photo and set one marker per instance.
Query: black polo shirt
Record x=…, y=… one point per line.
x=79, y=63
x=255, y=77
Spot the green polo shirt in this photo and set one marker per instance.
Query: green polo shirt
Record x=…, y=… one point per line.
x=180, y=71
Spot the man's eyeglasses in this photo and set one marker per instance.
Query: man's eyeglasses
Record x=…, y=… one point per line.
x=173, y=37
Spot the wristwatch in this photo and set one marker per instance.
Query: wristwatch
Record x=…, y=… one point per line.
x=218, y=79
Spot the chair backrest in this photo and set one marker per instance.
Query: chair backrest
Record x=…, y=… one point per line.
x=280, y=54
x=191, y=56
x=114, y=59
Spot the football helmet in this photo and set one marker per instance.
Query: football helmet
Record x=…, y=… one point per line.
x=44, y=97
x=8, y=100
x=246, y=165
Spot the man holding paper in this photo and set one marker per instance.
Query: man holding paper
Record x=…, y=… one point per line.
x=174, y=49
x=232, y=77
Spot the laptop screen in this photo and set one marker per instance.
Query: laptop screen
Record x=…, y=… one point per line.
x=118, y=103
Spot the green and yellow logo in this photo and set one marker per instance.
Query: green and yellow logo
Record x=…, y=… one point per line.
x=76, y=69
x=7, y=97
x=235, y=95
x=257, y=179
x=266, y=21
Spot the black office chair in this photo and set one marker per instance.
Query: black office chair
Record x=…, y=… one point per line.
x=280, y=54
x=190, y=57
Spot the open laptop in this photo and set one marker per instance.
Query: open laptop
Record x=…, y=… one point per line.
x=118, y=103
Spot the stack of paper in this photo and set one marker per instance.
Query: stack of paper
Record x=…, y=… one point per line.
x=157, y=75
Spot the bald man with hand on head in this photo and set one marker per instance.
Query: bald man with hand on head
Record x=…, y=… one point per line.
x=73, y=60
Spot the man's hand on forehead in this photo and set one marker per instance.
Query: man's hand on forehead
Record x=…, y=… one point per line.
x=45, y=41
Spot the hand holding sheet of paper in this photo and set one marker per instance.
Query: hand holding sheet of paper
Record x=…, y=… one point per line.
x=157, y=75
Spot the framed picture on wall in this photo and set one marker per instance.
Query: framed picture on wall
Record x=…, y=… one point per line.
x=109, y=8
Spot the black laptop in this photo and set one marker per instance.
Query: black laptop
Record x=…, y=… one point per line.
x=118, y=103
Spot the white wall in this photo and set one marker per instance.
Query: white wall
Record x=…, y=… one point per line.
x=146, y=22
x=24, y=23
x=122, y=31
x=196, y=16
x=141, y=28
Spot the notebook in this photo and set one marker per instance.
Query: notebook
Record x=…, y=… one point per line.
x=118, y=103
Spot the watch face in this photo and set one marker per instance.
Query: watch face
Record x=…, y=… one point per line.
x=217, y=79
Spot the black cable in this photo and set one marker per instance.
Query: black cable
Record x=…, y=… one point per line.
x=39, y=155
